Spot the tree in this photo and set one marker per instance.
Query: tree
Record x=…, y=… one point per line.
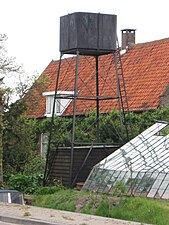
x=19, y=139
x=1, y=134
x=7, y=64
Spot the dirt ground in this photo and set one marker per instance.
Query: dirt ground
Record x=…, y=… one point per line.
x=57, y=216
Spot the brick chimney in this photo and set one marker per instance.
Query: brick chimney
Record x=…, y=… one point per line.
x=128, y=38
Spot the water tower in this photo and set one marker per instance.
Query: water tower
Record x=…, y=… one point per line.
x=89, y=35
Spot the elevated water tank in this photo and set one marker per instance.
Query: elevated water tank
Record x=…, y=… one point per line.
x=89, y=33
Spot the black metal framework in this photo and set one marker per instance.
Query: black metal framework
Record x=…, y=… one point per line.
x=93, y=36
x=120, y=96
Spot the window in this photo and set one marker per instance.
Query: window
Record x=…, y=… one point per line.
x=49, y=104
x=60, y=103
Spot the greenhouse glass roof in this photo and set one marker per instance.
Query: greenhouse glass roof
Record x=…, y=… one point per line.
x=141, y=166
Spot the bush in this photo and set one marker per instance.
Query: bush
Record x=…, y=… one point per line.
x=24, y=183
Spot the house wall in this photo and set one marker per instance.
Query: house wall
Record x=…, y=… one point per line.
x=60, y=171
x=164, y=98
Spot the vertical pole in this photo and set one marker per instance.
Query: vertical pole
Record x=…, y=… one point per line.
x=74, y=117
x=47, y=166
x=119, y=97
x=124, y=101
x=97, y=99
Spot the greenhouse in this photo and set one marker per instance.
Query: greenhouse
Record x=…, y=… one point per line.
x=138, y=168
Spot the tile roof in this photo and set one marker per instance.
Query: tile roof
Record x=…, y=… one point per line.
x=146, y=74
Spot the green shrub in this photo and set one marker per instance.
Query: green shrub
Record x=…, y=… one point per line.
x=24, y=183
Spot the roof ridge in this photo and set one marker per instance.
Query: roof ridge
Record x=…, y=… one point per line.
x=157, y=41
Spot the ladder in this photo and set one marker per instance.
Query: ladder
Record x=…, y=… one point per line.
x=125, y=119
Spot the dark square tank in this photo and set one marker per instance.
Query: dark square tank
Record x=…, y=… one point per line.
x=89, y=33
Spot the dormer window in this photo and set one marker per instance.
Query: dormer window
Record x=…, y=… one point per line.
x=60, y=103
x=49, y=104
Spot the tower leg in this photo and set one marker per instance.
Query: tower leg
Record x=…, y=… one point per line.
x=97, y=100
x=48, y=165
x=74, y=117
x=119, y=97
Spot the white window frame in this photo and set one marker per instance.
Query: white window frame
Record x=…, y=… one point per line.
x=49, y=105
x=60, y=104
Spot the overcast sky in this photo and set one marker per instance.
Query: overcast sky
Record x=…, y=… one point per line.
x=32, y=26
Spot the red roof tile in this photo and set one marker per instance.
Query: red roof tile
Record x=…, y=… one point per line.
x=146, y=74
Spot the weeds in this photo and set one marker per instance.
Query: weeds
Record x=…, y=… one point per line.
x=136, y=209
x=27, y=214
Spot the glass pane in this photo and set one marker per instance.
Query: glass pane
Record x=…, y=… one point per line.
x=3, y=197
x=166, y=194
x=49, y=104
x=17, y=198
x=58, y=106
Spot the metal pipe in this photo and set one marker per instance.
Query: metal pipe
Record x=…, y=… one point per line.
x=47, y=166
x=119, y=97
x=74, y=116
x=97, y=99
x=92, y=98
x=84, y=161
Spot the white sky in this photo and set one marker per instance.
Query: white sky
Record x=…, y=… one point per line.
x=32, y=26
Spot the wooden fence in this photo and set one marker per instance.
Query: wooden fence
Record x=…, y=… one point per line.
x=84, y=158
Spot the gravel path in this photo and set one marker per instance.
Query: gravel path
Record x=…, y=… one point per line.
x=56, y=216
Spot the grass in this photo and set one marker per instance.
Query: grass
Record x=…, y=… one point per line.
x=126, y=208
x=62, y=200
x=142, y=210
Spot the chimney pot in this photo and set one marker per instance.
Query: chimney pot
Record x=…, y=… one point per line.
x=128, y=38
